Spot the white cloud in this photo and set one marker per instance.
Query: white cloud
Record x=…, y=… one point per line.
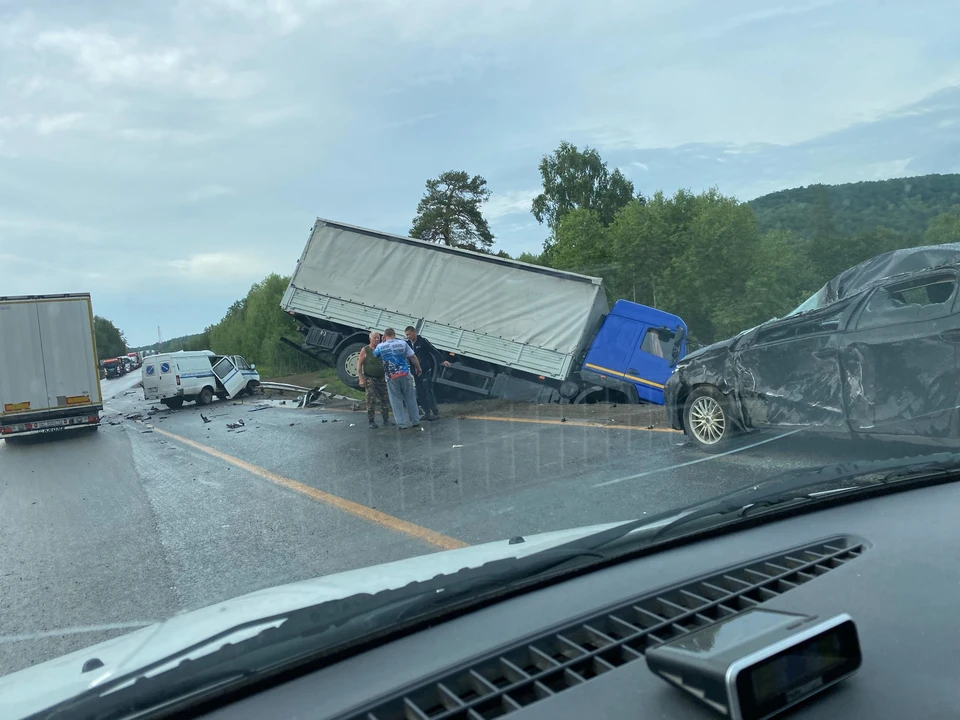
x=56, y=123
x=508, y=203
x=110, y=60
x=208, y=192
x=165, y=135
x=274, y=116
x=217, y=265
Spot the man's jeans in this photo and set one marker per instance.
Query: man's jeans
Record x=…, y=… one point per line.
x=403, y=401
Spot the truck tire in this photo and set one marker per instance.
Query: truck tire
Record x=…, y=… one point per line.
x=347, y=364
x=253, y=387
x=174, y=403
x=205, y=396
x=706, y=419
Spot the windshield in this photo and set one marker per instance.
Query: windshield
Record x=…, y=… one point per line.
x=293, y=289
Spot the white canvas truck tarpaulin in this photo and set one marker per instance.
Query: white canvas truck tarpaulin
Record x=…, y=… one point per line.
x=534, y=319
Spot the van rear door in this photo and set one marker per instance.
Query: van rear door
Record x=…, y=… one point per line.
x=230, y=376
x=151, y=378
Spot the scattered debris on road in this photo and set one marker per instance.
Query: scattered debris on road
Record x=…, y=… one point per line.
x=458, y=446
x=237, y=424
x=258, y=407
x=205, y=418
x=135, y=416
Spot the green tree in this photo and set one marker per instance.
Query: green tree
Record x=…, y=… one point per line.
x=944, y=228
x=573, y=179
x=530, y=259
x=580, y=244
x=449, y=212
x=253, y=326
x=110, y=341
x=706, y=281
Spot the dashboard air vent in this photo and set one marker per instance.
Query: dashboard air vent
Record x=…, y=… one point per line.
x=509, y=680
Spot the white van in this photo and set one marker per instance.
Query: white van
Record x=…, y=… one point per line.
x=196, y=376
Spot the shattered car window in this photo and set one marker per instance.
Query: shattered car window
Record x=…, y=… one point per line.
x=922, y=299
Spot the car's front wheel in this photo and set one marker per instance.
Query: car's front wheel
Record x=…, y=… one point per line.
x=706, y=420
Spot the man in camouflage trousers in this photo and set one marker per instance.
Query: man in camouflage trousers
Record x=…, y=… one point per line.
x=370, y=373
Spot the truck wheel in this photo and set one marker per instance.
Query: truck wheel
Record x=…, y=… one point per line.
x=347, y=364
x=206, y=396
x=253, y=387
x=706, y=420
x=222, y=395
x=174, y=403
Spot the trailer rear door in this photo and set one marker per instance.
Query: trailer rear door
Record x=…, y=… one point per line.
x=69, y=355
x=22, y=387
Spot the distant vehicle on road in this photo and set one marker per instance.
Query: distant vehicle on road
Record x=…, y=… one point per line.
x=49, y=379
x=196, y=376
x=512, y=330
x=136, y=358
x=112, y=368
x=128, y=365
x=875, y=353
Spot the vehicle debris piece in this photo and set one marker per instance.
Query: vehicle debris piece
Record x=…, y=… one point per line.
x=205, y=418
x=259, y=407
x=135, y=416
x=458, y=446
x=237, y=424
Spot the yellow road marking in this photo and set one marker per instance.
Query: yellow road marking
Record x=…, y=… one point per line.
x=348, y=506
x=575, y=423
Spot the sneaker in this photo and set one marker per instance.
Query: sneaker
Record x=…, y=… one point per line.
x=402, y=427
x=415, y=425
x=373, y=425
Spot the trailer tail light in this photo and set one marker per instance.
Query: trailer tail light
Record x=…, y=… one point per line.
x=178, y=379
x=93, y=419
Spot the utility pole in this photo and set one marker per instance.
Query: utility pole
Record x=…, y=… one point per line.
x=159, y=339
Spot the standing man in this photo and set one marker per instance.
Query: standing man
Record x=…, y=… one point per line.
x=397, y=357
x=428, y=356
x=370, y=373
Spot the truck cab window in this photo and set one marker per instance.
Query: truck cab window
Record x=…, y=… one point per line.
x=658, y=342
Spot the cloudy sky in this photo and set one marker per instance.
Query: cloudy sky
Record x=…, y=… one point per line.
x=165, y=155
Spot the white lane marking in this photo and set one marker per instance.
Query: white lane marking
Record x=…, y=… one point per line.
x=698, y=460
x=76, y=631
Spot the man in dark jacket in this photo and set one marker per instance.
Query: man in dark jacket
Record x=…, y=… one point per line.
x=428, y=356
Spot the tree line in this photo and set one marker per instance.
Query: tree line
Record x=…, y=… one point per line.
x=706, y=257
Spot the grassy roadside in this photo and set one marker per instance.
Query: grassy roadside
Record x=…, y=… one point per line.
x=318, y=379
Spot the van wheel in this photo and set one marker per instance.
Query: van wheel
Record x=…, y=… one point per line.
x=347, y=364
x=222, y=395
x=174, y=403
x=706, y=420
x=253, y=387
x=206, y=396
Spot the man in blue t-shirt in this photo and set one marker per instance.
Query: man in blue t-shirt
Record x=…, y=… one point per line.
x=397, y=357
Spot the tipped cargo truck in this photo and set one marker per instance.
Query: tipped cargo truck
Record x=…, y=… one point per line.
x=508, y=329
x=49, y=377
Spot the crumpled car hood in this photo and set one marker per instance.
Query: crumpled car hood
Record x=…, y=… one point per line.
x=39, y=687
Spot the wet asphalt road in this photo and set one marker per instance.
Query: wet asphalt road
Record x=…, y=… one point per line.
x=102, y=533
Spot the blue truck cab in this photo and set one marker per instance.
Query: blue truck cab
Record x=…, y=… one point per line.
x=634, y=351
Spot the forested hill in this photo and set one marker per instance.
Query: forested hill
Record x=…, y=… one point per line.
x=902, y=204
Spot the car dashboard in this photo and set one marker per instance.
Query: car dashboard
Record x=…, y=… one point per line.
x=575, y=649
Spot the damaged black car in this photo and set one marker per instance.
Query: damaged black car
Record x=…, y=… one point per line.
x=873, y=354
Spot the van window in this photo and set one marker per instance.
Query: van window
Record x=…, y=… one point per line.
x=241, y=363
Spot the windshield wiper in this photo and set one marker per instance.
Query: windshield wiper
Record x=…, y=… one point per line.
x=319, y=631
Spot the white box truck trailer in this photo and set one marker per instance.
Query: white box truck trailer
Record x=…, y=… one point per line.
x=508, y=329
x=49, y=378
